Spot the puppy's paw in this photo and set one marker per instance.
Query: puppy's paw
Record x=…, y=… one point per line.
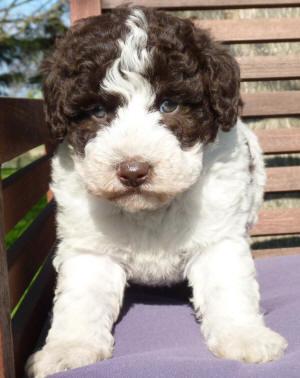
x=56, y=357
x=248, y=344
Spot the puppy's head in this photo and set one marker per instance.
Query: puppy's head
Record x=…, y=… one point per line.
x=138, y=93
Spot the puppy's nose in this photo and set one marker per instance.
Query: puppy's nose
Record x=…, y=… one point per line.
x=133, y=173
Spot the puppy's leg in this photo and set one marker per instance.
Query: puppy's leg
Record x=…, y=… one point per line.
x=226, y=296
x=87, y=301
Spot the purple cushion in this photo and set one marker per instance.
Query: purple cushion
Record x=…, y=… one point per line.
x=157, y=335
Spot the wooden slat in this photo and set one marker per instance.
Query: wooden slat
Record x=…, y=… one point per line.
x=259, y=253
x=23, y=189
x=203, y=4
x=30, y=317
x=277, y=222
x=283, y=179
x=252, y=30
x=29, y=251
x=82, y=9
x=279, y=141
x=6, y=343
x=22, y=126
x=269, y=67
x=271, y=104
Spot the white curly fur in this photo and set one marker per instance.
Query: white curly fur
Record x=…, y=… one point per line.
x=190, y=221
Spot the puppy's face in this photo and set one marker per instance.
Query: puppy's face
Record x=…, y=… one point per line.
x=138, y=93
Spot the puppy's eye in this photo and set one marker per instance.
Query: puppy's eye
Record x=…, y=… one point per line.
x=168, y=106
x=100, y=112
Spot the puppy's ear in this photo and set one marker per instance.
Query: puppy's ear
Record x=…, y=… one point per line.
x=221, y=83
x=53, y=96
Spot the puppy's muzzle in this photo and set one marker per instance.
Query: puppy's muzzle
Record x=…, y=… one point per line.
x=133, y=174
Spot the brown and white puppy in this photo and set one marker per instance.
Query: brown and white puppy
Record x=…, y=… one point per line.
x=152, y=183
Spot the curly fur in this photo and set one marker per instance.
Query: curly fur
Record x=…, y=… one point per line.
x=187, y=66
x=188, y=220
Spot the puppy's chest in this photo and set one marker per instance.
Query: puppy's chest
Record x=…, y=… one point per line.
x=154, y=267
x=153, y=258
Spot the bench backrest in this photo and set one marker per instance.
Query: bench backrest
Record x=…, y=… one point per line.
x=22, y=127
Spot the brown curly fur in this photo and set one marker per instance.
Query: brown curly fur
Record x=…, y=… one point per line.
x=188, y=67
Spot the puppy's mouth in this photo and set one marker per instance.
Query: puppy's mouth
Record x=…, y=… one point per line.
x=124, y=193
x=142, y=195
x=136, y=192
x=149, y=195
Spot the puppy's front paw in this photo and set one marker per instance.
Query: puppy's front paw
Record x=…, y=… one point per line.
x=56, y=357
x=248, y=344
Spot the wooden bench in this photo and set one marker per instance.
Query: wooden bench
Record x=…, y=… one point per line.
x=22, y=127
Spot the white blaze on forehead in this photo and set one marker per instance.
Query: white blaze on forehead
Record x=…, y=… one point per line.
x=124, y=76
x=134, y=56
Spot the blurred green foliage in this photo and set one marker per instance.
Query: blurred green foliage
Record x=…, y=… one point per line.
x=24, y=40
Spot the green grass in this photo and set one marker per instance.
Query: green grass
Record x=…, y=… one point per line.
x=25, y=222
x=5, y=172
x=26, y=292
x=16, y=232
x=19, y=228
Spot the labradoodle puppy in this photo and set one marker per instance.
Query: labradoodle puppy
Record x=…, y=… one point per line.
x=156, y=181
